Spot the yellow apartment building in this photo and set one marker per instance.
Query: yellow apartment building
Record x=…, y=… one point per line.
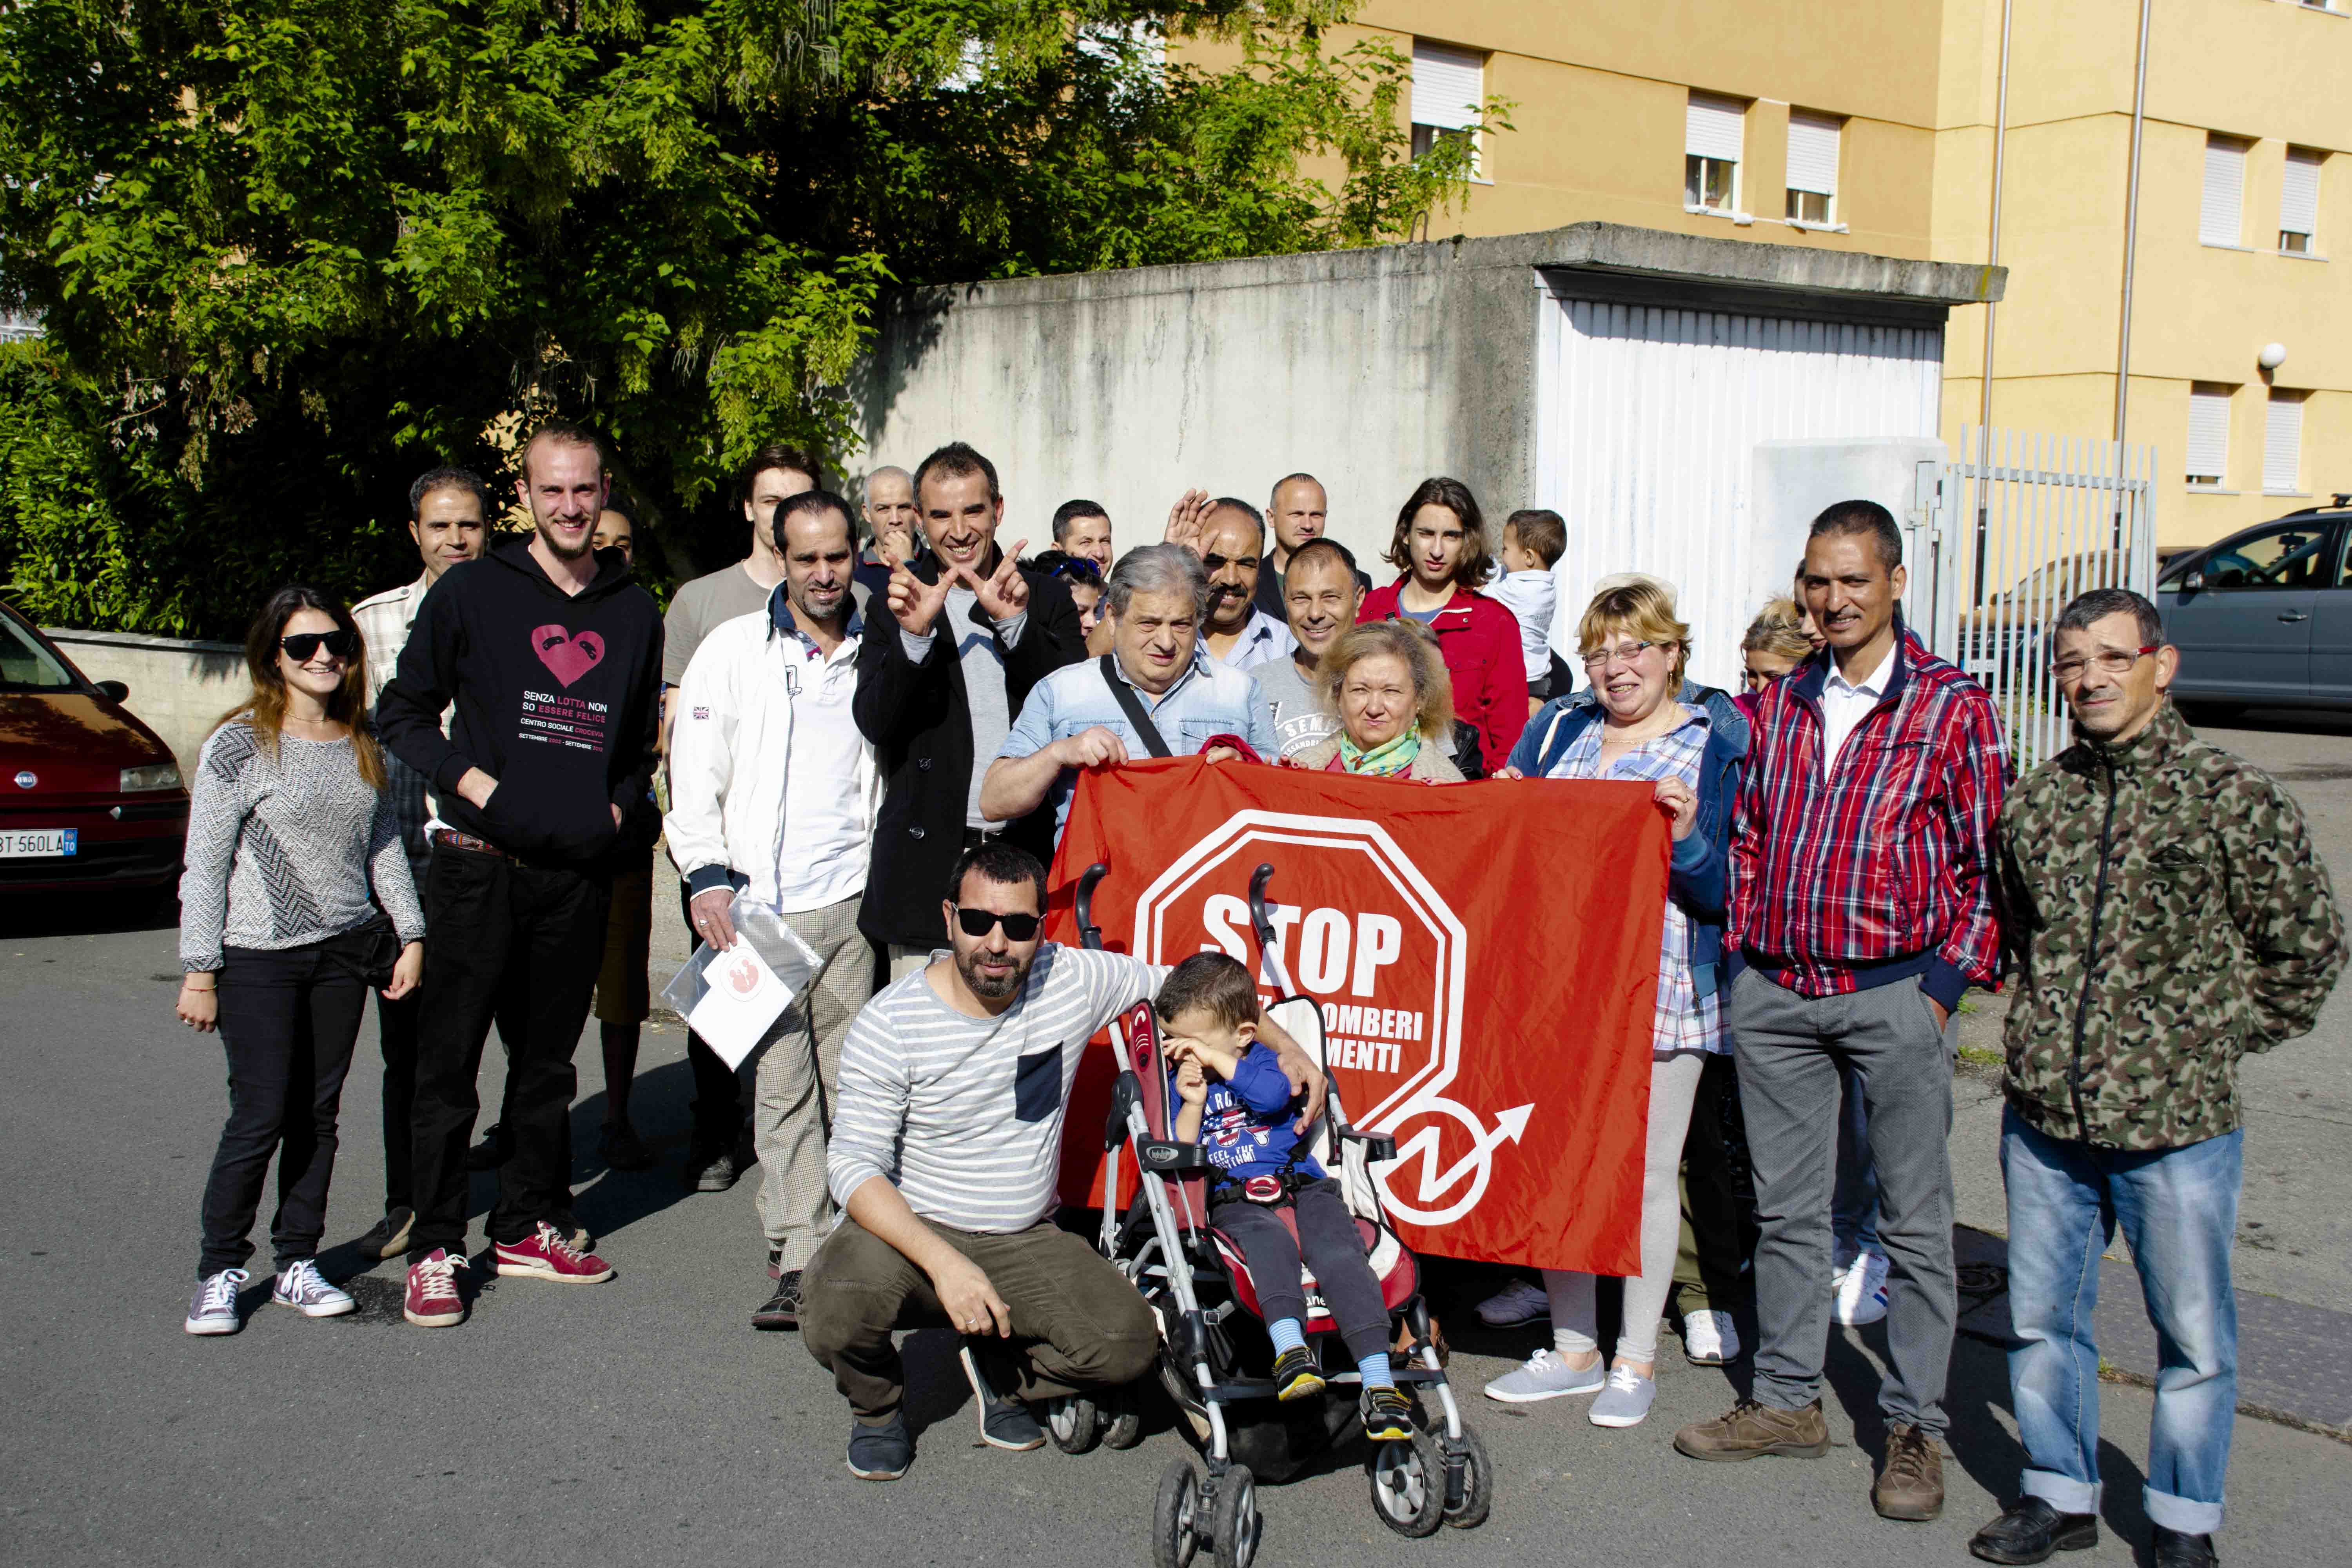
x=1878, y=125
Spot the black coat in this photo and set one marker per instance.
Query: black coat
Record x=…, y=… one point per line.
x=920, y=720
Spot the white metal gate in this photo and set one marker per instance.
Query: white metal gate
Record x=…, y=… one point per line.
x=2025, y=521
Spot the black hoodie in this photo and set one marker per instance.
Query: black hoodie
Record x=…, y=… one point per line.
x=556, y=698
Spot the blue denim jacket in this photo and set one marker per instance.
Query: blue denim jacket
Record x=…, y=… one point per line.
x=1207, y=700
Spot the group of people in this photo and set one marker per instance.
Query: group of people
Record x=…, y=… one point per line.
x=872, y=727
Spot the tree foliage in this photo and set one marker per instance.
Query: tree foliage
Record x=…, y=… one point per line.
x=288, y=252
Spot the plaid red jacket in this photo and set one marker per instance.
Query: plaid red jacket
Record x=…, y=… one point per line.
x=1883, y=870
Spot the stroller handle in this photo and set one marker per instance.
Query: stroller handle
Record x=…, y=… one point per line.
x=1262, y=925
x=1089, y=933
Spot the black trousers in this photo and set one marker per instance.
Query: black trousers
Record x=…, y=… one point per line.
x=529, y=937
x=396, y=1030
x=1719, y=1217
x=718, y=1090
x=1335, y=1251
x=289, y=1020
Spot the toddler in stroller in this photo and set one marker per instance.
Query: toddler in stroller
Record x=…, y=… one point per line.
x=1266, y=1194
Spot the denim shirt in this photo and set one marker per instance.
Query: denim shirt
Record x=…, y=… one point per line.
x=1207, y=700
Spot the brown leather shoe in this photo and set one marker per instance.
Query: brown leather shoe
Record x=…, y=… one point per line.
x=1910, y=1484
x=1749, y=1429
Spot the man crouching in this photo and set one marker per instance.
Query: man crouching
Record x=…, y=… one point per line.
x=946, y=1144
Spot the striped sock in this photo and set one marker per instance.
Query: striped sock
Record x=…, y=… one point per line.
x=1376, y=1373
x=1287, y=1335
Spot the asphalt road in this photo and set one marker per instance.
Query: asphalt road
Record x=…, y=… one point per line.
x=644, y=1420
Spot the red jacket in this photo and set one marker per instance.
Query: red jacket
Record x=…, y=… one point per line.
x=1480, y=640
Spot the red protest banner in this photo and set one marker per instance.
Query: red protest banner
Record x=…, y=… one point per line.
x=1484, y=955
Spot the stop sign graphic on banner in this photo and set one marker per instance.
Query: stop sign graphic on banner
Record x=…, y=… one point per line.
x=1485, y=958
x=1361, y=931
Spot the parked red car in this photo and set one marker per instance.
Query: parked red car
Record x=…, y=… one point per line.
x=89, y=797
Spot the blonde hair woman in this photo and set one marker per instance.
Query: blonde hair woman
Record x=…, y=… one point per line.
x=294, y=861
x=1395, y=702
x=1634, y=650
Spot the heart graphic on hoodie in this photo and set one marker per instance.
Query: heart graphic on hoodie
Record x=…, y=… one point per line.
x=568, y=656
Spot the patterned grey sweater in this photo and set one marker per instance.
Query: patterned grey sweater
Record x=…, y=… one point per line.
x=282, y=850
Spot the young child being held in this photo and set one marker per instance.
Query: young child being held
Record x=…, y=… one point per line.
x=1533, y=542
x=1238, y=1106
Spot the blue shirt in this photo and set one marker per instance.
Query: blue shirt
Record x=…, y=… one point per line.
x=1207, y=700
x=1246, y=1121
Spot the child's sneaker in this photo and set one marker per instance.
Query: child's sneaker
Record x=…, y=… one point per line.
x=302, y=1286
x=548, y=1254
x=213, y=1309
x=1387, y=1414
x=1295, y=1376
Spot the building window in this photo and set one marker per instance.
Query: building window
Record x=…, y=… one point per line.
x=2219, y=217
x=1449, y=89
x=2299, y=202
x=1711, y=140
x=1813, y=168
x=2208, y=434
x=2282, y=445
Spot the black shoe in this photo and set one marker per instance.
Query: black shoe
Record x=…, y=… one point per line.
x=496, y=1148
x=390, y=1237
x=1295, y=1376
x=2031, y=1529
x=621, y=1149
x=1387, y=1414
x=1003, y=1422
x=710, y=1168
x=880, y=1453
x=783, y=1308
x=2175, y=1550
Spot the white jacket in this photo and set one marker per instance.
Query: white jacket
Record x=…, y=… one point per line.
x=731, y=742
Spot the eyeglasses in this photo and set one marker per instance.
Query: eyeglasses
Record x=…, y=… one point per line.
x=1626, y=654
x=303, y=646
x=2110, y=661
x=979, y=923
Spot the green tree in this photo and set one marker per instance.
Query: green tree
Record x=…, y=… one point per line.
x=288, y=252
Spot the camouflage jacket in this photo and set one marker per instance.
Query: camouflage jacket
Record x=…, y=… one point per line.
x=2165, y=915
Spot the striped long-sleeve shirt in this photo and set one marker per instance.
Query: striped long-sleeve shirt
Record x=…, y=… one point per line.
x=965, y=1115
x=1878, y=867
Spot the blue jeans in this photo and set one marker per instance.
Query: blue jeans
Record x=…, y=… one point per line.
x=2178, y=1209
x=1853, y=1203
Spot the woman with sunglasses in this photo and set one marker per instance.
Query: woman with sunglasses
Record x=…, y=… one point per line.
x=1777, y=641
x=294, y=861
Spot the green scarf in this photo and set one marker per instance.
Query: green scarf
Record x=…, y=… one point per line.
x=1386, y=760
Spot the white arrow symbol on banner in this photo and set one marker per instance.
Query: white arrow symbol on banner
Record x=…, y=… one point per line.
x=1508, y=1126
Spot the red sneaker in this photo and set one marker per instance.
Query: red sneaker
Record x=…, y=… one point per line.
x=433, y=1301
x=546, y=1255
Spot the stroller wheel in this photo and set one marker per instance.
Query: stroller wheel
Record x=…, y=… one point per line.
x=1477, y=1492
x=1176, y=1521
x=1408, y=1484
x=1073, y=1424
x=1236, y=1519
x=1122, y=1418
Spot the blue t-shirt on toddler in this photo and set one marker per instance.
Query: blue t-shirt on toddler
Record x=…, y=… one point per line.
x=1245, y=1122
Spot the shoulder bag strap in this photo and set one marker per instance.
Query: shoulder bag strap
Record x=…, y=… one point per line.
x=1132, y=706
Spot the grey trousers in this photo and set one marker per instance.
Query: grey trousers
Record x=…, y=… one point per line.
x=796, y=1078
x=1789, y=1049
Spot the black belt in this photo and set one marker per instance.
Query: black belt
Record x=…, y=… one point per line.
x=974, y=837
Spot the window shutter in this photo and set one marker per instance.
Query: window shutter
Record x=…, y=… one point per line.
x=1813, y=153
x=2283, y=443
x=1448, y=86
x=2217, y=219
x=2209, y=431
x=2299, y=192
x=1711, y=127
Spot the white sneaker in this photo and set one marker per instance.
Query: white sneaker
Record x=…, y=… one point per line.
x=1625, y=1401
x=1516, y=1303
x=1862, y=1291
x=1709, y=1338
x=1546, y=1376
x=213, y=1309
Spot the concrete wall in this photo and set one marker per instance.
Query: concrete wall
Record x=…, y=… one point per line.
x=179, y=689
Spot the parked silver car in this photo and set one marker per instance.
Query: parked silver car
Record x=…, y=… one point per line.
x=2264, y=617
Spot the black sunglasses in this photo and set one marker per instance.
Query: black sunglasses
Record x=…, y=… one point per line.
x=1017, y=928
x=301, y=646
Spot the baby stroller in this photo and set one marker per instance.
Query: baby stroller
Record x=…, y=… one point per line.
x=1214, y=1357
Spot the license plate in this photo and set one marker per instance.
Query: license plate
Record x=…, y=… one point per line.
x=37, y=843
